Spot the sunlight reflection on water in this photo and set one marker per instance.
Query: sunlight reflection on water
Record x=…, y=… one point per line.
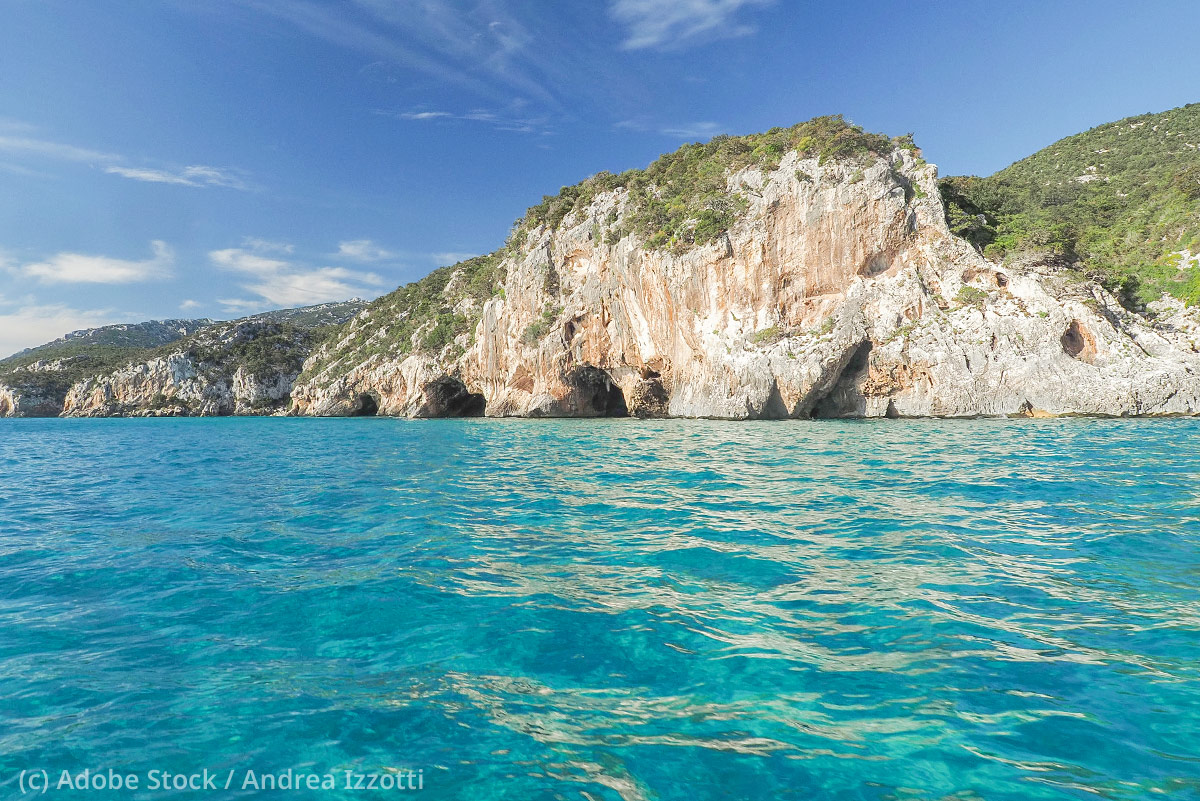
x=634, y=610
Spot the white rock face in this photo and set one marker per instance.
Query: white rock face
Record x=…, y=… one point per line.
x=176, y=386
x=29, y=401
x=183, y=383
x=840, y=292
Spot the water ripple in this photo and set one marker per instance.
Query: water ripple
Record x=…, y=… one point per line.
x=610, y=609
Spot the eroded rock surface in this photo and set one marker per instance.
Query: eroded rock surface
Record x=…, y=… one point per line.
x=238, y=368
x=840, y=292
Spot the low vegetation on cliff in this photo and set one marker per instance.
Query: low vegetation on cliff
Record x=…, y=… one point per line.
x=52, y=368
x=426, y=315
x=1121, y=200
x=261, y=349
x=682, y=199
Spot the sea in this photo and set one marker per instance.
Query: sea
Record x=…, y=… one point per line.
x=588, y=610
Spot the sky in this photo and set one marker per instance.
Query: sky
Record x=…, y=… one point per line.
x=218, y=158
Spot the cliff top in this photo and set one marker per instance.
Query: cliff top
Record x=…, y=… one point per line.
x=681, y=199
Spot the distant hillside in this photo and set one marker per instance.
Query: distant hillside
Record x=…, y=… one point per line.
x=1122, y=200
x=110, y=342
x=149, y=334
x=312, y=316
x=49, y=370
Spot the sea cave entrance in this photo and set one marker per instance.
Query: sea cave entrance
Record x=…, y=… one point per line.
x=365, y=406
x=596, y=394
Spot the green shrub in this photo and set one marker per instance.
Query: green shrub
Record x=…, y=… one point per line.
x=1187, y=181
x=971, y=296
x=420, y=316
x=767, y=335
x=1188, y=290
x=540, y=327
x=80, y=362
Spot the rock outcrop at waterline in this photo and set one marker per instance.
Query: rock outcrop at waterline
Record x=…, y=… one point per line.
x=838, y=292
x=239, y=368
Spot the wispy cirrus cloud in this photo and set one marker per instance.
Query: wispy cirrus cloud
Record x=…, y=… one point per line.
x=362, y=250
x=500, y=120
x=671, y=24
x=691, y=130
x=54, y=150
x=81, y=268
x=281, y=283
x=479, y=46
x=196, y=175
x=259, y=245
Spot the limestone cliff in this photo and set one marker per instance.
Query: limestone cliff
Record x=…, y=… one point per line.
x=246, y=367
x=804, y=272
x=837, y=290
x=36, y=392
x=35, y=382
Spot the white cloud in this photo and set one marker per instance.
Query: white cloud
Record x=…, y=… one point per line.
x=689, y=130
x=189, y=304
x=482, y=47
x=245, y=261
x=195, y=175
x=243, y=306
x=79, y=268
x=362, y=250
x=151, y=176
x=303, y=288
x=424, y=115
x=30, y=325
x=267, y=245
x=10, y=125
x=18, y=169
x=507, y=120
x=672, y=23
x=202, y=175
x=282, y=284
x=695, y=130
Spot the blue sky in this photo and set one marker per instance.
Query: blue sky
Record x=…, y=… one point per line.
x=216, y=158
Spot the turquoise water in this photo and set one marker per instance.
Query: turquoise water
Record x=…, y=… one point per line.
x=607, y=609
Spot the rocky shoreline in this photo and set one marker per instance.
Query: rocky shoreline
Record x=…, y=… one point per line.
x=839, y=291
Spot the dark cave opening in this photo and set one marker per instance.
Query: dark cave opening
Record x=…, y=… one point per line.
x=449, y=397
x=365, y=406
x=597, y=395
x=843, y=398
